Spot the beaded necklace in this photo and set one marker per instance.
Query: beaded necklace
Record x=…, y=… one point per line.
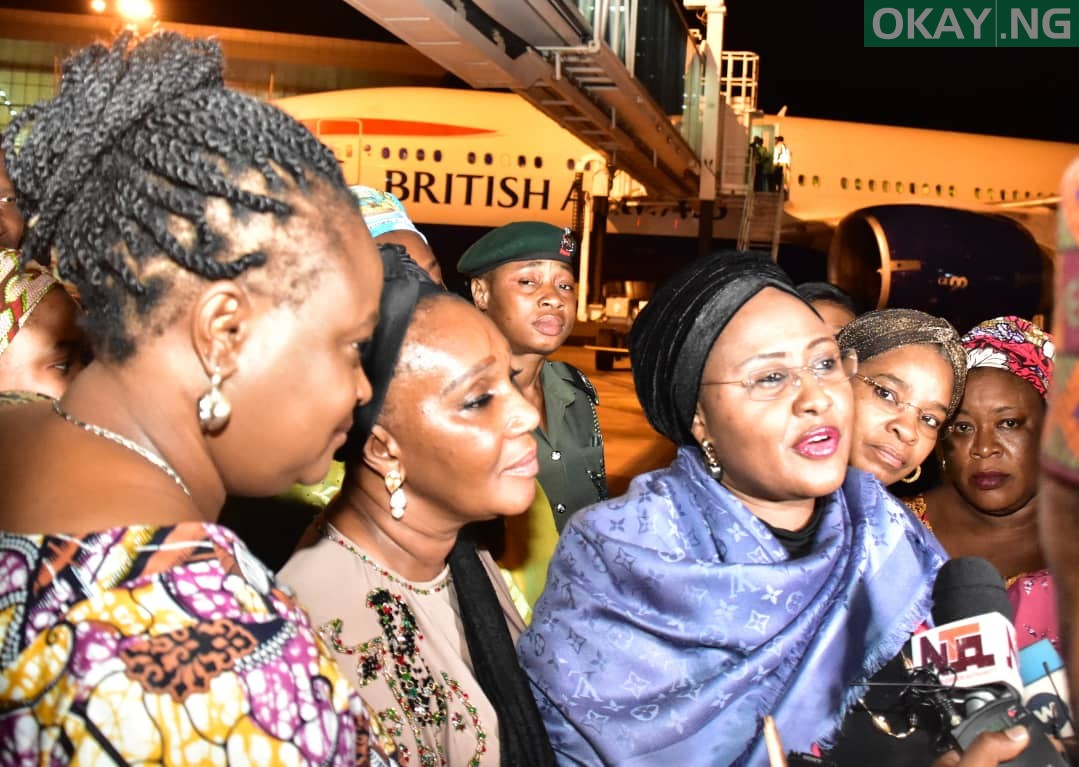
x=332, y=533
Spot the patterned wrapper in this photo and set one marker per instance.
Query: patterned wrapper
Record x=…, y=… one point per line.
x=1060, y=439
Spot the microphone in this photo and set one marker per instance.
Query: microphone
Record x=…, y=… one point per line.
x=972, y=650
x=973, y=643
x=1045, y=687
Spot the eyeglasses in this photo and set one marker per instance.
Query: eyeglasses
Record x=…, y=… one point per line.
x=887, y=400
x=773, y=382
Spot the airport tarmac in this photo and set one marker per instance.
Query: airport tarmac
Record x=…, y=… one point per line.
x=631, y=445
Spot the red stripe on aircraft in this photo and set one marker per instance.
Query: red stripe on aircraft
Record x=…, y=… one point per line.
x=378, y=127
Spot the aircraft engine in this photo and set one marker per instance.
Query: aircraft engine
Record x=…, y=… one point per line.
x=956, y=264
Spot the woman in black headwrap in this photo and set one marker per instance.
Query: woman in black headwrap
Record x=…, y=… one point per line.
x=420, y=620
x=911, y=373
x=742, y=580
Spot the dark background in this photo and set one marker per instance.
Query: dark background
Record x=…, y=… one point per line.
x=812, y=61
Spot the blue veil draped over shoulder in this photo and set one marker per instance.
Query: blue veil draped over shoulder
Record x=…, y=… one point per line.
x=673, y=620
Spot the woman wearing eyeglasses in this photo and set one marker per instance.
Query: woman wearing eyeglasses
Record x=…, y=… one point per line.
x=754, y=575
x=911, y=373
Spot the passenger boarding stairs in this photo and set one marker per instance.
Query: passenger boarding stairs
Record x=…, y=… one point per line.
x=761, y=225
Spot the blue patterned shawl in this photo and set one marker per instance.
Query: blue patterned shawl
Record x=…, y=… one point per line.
x=673, y=620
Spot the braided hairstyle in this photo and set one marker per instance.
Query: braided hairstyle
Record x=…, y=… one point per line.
x=117, y=171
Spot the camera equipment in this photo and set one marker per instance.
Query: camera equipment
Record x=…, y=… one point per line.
x=957, y=715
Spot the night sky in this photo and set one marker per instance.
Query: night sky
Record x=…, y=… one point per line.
x=812, y=61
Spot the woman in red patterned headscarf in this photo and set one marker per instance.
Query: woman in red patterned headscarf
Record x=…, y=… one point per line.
x=41, y=346
x=989, y=461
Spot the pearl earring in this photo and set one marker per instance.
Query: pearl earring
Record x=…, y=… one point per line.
x=398, y=500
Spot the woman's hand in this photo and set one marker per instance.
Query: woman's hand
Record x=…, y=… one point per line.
x=988, y=750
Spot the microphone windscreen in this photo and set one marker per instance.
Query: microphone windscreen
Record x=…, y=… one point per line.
x=969, y=586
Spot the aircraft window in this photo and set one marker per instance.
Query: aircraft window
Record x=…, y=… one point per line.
x=588, y=165
x=385, y=153
x=816, y=180
x=951, y=190
x=523, y=161
x=488, y=158
x=421, y=155
x=539, y=162
x=1015, y=194
x=885, y=186
x=571, y=164
x=471, y=158
x=857, y=184
x=940, y=190
x=843, y=182
x=801, y=179
x=989, y=194
x=977, y=193
x=1003, y=195
x=872, y=185
x=899, y=187
x=367, y=149
x=402, y=153
x=913, y=188
x=438, y=155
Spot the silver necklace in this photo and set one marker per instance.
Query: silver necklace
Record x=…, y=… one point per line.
x=112, y=436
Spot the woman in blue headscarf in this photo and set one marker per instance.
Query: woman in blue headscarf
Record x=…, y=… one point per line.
x=756, y=574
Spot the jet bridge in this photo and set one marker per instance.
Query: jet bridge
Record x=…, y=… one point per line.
x=625, y=77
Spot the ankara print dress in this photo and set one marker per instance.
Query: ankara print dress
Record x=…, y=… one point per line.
x=165, y=646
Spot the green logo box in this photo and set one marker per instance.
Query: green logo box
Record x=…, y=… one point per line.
x=970, y=24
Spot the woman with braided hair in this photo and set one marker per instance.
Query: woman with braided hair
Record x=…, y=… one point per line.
x=911, y=373
x=230, y=286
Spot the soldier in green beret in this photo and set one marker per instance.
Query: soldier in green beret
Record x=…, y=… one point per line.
x=522, y=276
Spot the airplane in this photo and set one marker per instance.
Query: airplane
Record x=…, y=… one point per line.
x=907, y=216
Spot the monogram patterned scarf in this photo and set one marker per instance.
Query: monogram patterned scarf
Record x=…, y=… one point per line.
x=673, y=620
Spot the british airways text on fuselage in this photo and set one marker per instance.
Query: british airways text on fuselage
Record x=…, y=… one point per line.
x=471, y=189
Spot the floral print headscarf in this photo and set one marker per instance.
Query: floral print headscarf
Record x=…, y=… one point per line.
x=1013, y=344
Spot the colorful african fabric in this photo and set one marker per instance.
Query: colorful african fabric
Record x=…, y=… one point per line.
x=673, y=620
x=1012, y=344
x=403, y=646
x=165, y=646
x=1060, y=437
x=22, y=286
x=1032, y=595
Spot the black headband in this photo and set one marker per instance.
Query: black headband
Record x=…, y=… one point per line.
x=674, y=333
x=404, y=285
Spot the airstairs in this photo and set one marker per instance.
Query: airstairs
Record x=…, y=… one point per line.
x=762, y=218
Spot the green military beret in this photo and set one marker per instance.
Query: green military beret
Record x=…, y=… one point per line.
x=519, y=241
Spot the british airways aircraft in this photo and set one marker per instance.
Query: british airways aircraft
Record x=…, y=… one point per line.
x=887, y=204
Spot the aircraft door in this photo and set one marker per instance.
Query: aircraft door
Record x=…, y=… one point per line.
x=343, y=136
x=767, y=132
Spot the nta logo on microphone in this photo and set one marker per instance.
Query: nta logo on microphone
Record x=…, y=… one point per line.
x=971, y=652
x=958, y=647
x=978, y=24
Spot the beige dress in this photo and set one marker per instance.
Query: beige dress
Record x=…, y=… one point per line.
x=403, y=646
